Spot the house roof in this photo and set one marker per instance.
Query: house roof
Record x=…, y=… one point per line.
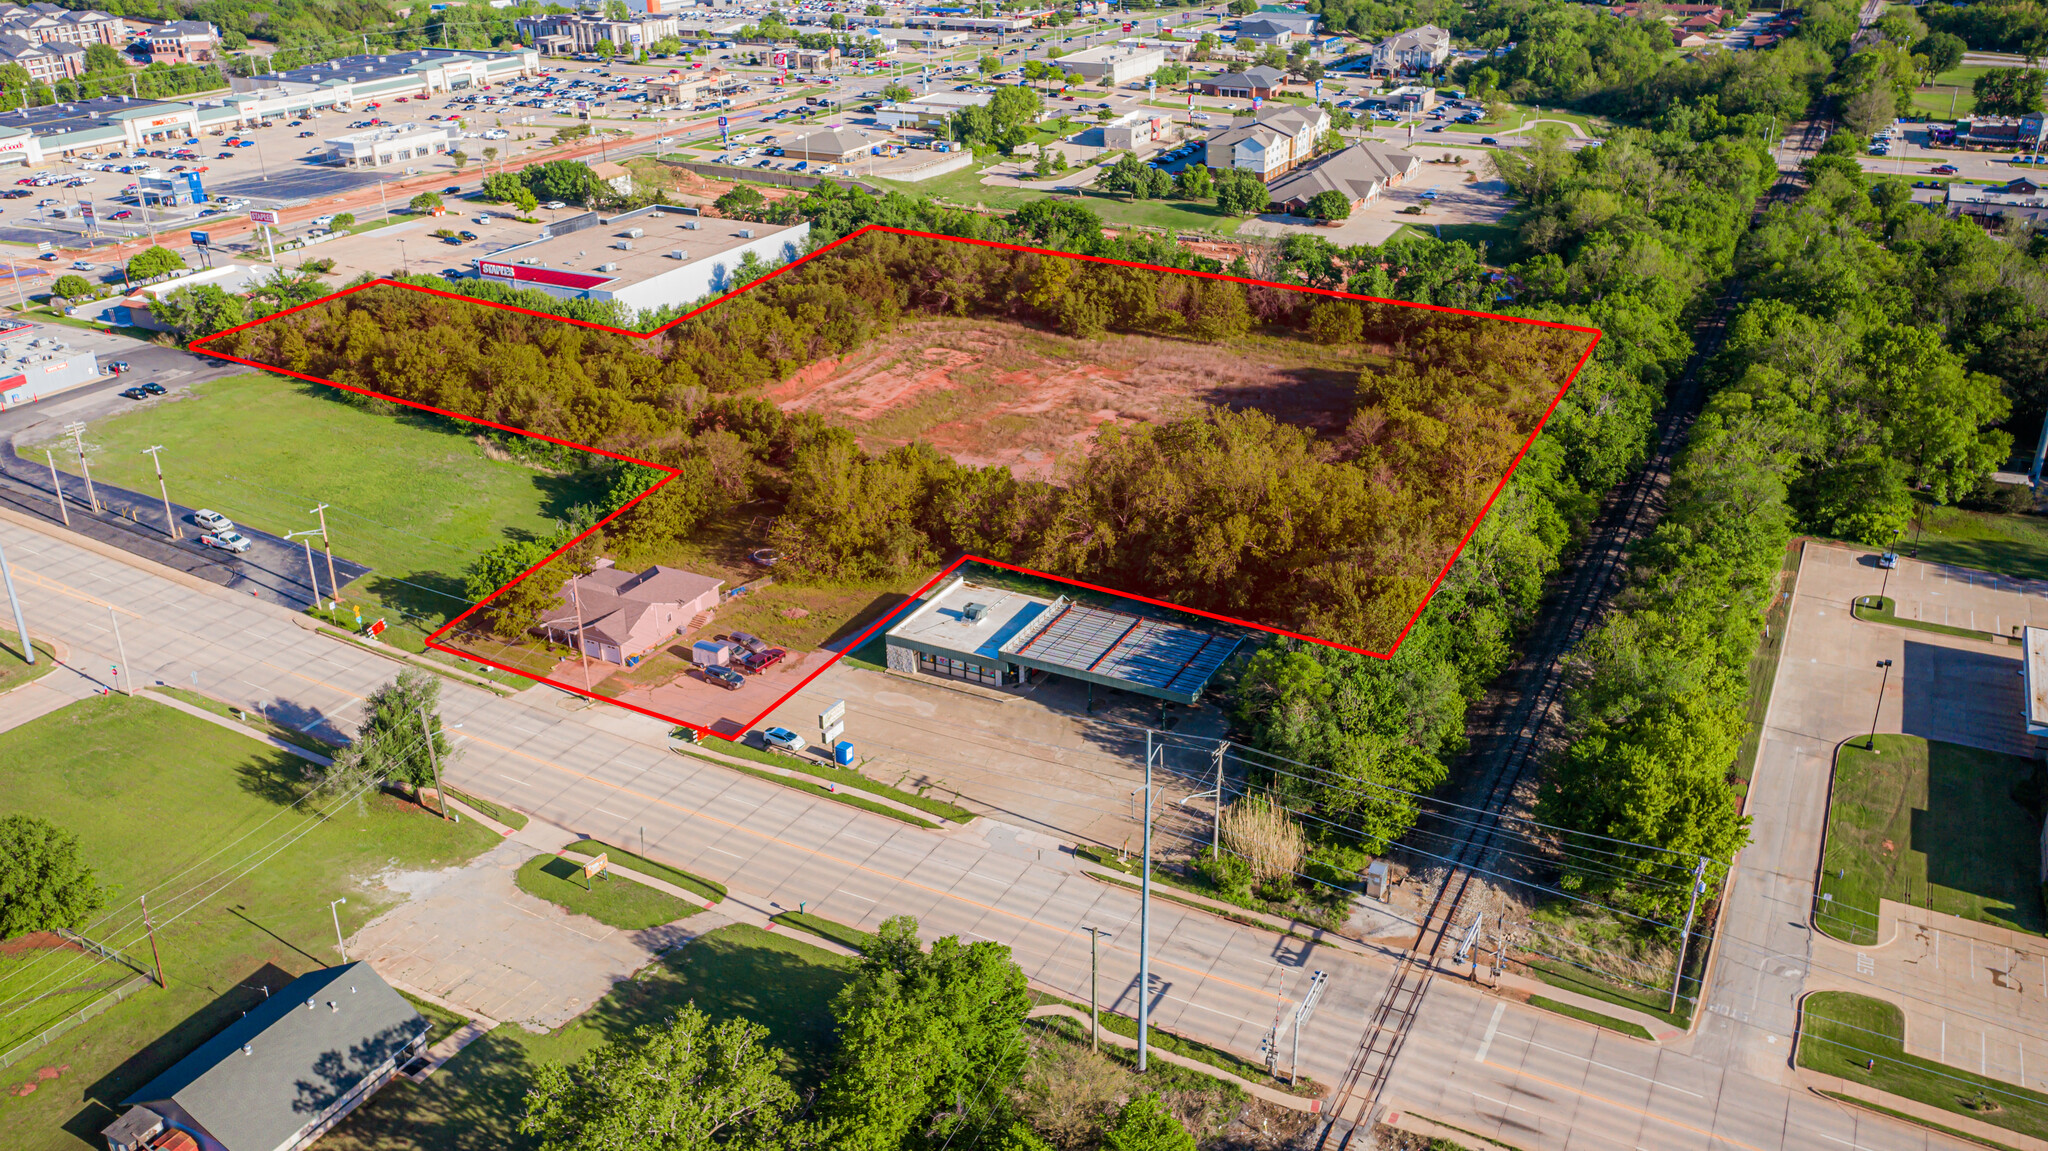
x=1264, y=28
x=1259, y=77
x=839, y=141
x=612, y=601
x=1356, y=171
x=1270, y=123
x=281, y=1066
x=1425, y=36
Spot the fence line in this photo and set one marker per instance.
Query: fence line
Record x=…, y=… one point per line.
x=51, y=1033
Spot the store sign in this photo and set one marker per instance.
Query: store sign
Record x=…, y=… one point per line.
x=505, y=270
x=202, y=239
x=263, y=216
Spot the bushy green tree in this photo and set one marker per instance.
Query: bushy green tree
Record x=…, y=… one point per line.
x=1193, y=183
x=1240, y=193
x=1144, y=1124
x=72, y=287
x=2009, y=91
x=45, y=882
x=425, y=202
x=1329, y=205
x=400, y=735
x=683, y=1085
x=153, y=261
x=198, y=311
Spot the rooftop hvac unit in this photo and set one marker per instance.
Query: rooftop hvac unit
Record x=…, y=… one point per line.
x=691, y=225
x=678, y=254
x=746, y=233
x=974, y=612
x=624, y=245
x=607, y=267
x=634, y=233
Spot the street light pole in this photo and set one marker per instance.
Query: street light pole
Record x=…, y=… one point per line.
x=440, y=797
x=1095, y=935
x=312, y=574
x=57, y=487
x=1871, y=743
x=340, y=944
x=170, y=521
x=124, y=671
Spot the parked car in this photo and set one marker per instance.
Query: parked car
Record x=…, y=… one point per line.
x=228, y=541
x=134, y=394
x=153, y=388
x=783, y=739
x=1888, y=560
x=724, y=677
x=118, y=366
x=750, y=642
x=212, y=521
x=756, y=662
x=466, y=234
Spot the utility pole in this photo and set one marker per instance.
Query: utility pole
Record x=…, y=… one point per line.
x=153, y=955
x=1216, y=825
x=1145, y=915
x=57, y=487
x=77, y=431
x=327, y=545
x=28, y=648
x=582, y=657
x=170, y=521
x=126, y=671
x=1699, y=884
x=440, y=797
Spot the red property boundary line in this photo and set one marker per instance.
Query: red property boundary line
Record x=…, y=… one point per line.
x=671, y=473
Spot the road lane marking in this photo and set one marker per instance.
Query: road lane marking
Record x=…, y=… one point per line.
x=1502, y=1102
x=698, y=814
x=1625, y=1107
x=1492, y=1027
x=855, y=894
x=602, y=811
x=1593, y=1063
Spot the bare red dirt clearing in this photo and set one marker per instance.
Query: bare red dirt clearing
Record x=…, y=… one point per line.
x=992, y=393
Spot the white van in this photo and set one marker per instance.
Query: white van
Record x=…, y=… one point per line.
x=323, y=221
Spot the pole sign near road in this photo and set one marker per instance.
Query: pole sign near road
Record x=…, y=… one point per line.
x=202, y=239
x=263, y=216
x=723, y=141
x=833, y=714
x=595, y=868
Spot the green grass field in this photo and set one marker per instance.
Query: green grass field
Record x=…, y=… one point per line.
x=1840, y=1031
x=1949, y=94
x=1573, y=1011
x=408, y=496
x=13, y=670
x=1930, y=824
x=965, y=187
x=1883, y=609
x=154, y=794
x=2006, y=543
x=614, y=901
x=475, y=1101
x=648, y=867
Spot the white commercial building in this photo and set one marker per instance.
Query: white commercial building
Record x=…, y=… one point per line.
x=394, y=144
x=647, y=259
x=929, y=110
x=35, y=367
x=1114, y=64
x=1134, y=131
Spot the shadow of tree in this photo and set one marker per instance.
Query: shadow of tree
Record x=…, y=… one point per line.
x=562, y=494
x=473, y=1103
x=429, y=595
x=307, y=720
x=278, y=777
x=881, y=607
x=103, y=1097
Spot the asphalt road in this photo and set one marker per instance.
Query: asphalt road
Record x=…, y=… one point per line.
x=1536, y=1079
x=272, y=569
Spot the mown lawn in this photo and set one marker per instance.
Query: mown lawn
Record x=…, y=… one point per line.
x=612, y=900
x=2013, y=544
x=965, y=187
x=408, y=495
x=475, y=1101
x=1842, y=1033
x=14, y=671
x=1929, y=823
x=159, y=797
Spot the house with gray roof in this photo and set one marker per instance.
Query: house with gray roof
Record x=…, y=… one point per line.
x=1259, y=82
x=1362, y=172
x=1274, y=140
x=283, y=1074
x=1258, y=33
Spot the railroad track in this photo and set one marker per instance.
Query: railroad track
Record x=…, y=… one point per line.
x=1516, y=720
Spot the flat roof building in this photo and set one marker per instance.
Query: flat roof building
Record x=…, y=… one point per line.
x=1001, y=638
x=1114, y=64
x=646, y=259
x=930, y=109
x=831, y=145
x=392, y=144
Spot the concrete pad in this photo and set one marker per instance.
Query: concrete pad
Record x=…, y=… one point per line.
x=470, y=938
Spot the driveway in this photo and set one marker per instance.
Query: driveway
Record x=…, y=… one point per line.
x=470, y=938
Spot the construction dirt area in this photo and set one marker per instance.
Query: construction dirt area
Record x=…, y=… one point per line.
x=996, y=393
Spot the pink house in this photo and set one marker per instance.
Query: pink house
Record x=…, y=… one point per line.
x=622, y=615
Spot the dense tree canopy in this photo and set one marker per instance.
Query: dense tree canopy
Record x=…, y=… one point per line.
x=45, y=881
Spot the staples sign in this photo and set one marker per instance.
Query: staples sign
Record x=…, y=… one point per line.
x=262, y=216
x=505, y=270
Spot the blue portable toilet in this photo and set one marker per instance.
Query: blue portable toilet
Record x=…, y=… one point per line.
x=842, y=753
